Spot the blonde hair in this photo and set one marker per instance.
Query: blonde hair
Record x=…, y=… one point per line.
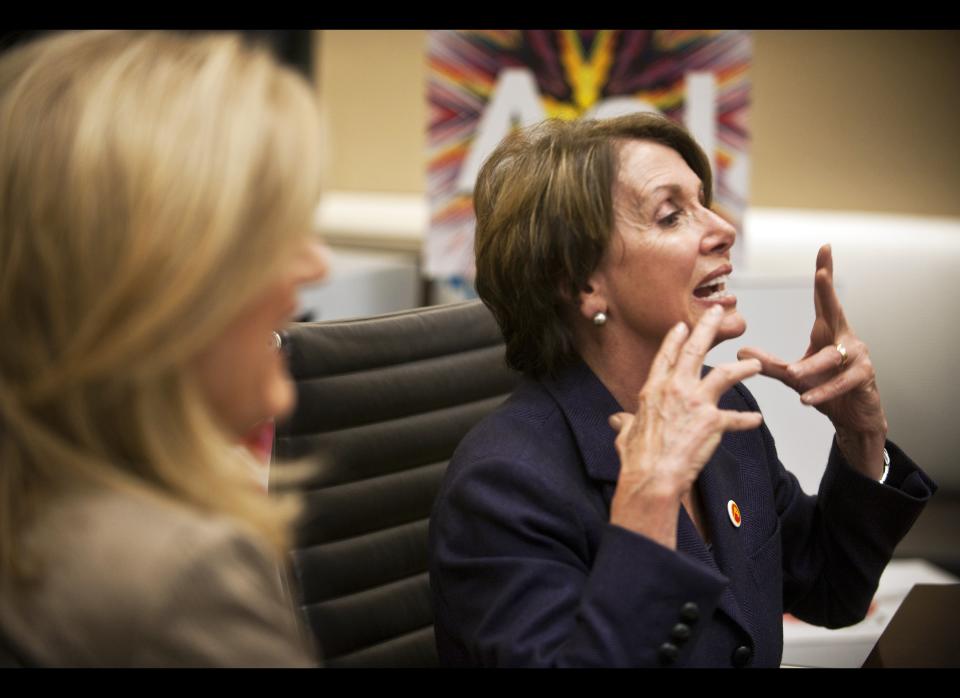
x=151, y=185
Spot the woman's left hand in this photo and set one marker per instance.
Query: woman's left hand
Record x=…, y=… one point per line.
x=844, y=388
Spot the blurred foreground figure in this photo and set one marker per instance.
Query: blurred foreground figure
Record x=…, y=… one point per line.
x=156, y=194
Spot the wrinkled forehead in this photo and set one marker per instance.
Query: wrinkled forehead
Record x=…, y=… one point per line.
x=646, y=167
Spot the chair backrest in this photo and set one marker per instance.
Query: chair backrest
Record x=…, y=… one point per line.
x=382, y=403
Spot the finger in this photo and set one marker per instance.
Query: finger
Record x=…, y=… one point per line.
x=825, y=259
x=824, y=267
x=844, y=383
x=740, y=421
x=772, y=366
x=822, y=254
x=825, y=298
x=700, y=342
x=620, y=421
x=667, y=354
x=827, y=359
x=821, y=335
x=828, y=302
x=725, y=376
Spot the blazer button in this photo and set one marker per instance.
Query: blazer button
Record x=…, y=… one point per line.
x=690, y=612
x=680, y=633
x=742, y=656
x=668, y=653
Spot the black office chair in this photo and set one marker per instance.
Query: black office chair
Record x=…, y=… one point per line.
x=382, y=404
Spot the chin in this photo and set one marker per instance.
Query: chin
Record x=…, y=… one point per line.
x=283, y=397
x=733, y=326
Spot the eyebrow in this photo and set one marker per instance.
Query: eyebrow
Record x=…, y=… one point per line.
x=646, y=203
x=640, y=202
x=675, y=189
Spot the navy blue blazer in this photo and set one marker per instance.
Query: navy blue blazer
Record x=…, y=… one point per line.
x=526, y=569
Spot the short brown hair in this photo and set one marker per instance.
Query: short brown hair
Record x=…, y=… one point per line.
x=544, y=207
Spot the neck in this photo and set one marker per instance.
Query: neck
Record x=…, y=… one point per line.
x=622, y=364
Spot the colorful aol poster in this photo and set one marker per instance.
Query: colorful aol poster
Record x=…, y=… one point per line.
x=482, y=84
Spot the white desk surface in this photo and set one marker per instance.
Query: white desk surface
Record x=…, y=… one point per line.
x=806, y=645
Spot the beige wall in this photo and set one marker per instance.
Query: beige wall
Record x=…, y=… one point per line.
x=857, y=120
x=373, y=87
x=866, y=120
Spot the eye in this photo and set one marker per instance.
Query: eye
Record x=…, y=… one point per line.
x=671, y=220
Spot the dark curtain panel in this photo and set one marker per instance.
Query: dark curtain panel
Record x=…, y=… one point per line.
x=294, y=47
x=13, y=37
x=291, y=46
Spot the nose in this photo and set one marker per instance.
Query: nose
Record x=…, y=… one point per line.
x=311, y=263
x=719, y=234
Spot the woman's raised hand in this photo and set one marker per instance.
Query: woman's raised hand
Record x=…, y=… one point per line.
x=836, y=376
x=676, y=429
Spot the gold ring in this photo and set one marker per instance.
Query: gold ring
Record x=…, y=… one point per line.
x=843, y=355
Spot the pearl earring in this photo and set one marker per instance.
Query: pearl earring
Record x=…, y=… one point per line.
x=600, y=318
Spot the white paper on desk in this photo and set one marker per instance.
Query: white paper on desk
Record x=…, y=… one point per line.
x=809, y=645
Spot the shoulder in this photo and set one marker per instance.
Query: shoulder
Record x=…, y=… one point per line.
x=742, y=398
x=523, y=434
x=518, y=476
x=135, y=581
x=528, y=411
x=753, y=449
x=122, y=542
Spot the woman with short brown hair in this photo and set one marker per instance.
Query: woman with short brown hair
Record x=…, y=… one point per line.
x=544, y=203
x=670, y=534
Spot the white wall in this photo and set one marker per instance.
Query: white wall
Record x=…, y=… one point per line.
x=895, y=276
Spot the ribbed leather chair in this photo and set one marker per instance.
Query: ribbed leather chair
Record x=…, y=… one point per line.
x=382, y=403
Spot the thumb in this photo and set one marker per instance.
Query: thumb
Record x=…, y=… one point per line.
x=620, y=421
x=772, y=366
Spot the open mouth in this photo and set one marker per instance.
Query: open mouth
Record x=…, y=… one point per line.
x=713, y=290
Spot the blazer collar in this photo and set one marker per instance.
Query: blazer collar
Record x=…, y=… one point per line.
x=587, y=404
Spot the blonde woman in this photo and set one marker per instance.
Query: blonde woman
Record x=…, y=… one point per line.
x=156, y=194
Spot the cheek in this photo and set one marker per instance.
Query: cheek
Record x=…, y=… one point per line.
x=262, y=387
x=652, y=280
x=670, y=284
x=245, y=381
x=673, y=260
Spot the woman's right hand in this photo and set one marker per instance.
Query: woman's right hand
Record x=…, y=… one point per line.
x=675, y=431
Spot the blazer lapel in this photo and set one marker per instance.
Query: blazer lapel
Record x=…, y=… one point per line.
x=587, y=404
x=719, y=482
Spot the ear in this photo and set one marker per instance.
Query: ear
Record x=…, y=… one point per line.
x=593, y=297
